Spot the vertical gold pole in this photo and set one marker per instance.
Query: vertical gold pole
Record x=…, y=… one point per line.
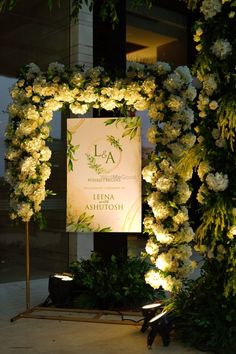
x=27, y=266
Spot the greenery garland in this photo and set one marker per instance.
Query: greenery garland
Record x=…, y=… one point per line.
x=215, y=151
x=205, y=309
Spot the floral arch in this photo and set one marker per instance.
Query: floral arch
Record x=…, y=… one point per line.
x=167, y=94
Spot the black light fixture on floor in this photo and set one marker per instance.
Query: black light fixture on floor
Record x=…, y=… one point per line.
x=60, y=290
x=162, y=323
x=149, y=311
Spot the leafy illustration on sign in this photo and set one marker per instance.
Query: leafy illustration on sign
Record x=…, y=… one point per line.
x=130, y=125
x=83, y=224
x=114, y=142
x=71, y=149
x=94, y=165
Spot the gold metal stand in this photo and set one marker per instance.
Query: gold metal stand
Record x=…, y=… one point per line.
x=69, y=314
x=27, y=275
x=27, y=267
x=82, y=315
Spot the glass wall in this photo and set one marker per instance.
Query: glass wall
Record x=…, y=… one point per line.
x=159, y=33
x=31, y=33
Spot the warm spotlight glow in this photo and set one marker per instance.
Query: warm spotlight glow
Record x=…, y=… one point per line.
x=158, y=316
x=151, y=306
x=63, y=277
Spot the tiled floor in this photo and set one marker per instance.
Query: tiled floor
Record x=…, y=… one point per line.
x=37, y=336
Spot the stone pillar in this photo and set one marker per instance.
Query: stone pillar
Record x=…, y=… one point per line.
x=81, y=47
x=109, y=52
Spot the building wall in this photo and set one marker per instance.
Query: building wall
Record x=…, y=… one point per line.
x=31, y=33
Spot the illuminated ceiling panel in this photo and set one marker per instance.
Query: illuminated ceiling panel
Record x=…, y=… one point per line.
x=146, y=43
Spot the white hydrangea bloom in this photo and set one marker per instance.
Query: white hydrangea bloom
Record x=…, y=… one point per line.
x=186, y=117
x=148, y=86
x=77, y=79
x=141, y=105
x=221, y=48
x=182, y=216
x=24, y=211
x=26, y=127
x=165, y=184
x=175, y=103
x=209, y=84
x=78, y=108
x=13, y=154
x=210, y=8
x=45, y=171
x=160, y=210
x=109, y=104
x=45, y=154
x=153, y=278
x=184, y=73
x=190, y=93
x=169, y=283
x=188, y=140
x=34, y=144
x=166, y=167
x=162, y=235
x=173, y=82
x=149, y=172
x=171, y=131
x=32, y=70
x=161, y=67
x=185, y=234
x=58, y=67
x=148, y=222
x=183, y=192
x=151, y=134
x=164, y=262
x=151, y=247
x=28, y=166
x=218, y=182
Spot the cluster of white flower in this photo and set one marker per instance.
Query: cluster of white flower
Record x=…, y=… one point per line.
x=156, y=280
x=168, y=226
x=215, y=68
x=218, y=182
x=35, y=97
x=209, y=84
x=221, y=48
x=210, y=8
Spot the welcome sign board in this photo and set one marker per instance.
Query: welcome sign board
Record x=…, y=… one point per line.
x=103, y=175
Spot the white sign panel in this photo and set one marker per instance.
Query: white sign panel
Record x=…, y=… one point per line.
x=104, y=175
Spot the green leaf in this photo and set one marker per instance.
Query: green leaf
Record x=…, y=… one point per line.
x=70, y=166
x=50, y=4
x=109, y=121
x=105, y=229
x=85, y=218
